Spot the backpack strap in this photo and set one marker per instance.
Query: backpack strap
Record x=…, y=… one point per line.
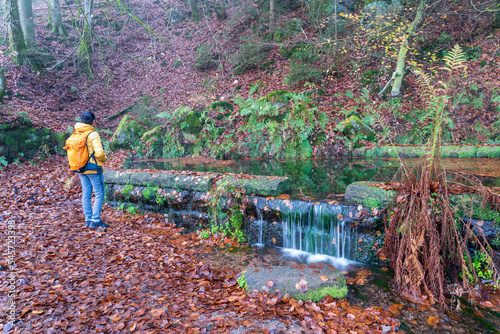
x=86, y=145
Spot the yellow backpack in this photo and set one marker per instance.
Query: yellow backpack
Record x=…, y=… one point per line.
x=77, y=150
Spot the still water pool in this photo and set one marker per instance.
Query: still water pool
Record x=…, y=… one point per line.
x=320, y=178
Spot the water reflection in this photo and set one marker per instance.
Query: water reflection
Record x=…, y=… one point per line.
x=319, y=178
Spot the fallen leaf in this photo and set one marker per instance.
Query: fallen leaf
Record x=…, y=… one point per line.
x=302, y=285
x=433, y=321
x=323, y=278
x=246, y=323
x=157, y=313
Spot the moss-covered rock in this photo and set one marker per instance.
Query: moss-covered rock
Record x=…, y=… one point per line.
x=193, y=122
x=151, y=134
x=286, y=280
x=127, y=134
x=353, y=127
x=20, y=138
x=278, y=98
x=262, y=185
x=222, y=106
x=363, y=194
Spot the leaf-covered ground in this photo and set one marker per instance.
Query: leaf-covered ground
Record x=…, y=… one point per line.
x=141, y=275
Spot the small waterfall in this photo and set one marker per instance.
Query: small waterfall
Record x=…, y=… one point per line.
x=260, y=223
x=319, y=229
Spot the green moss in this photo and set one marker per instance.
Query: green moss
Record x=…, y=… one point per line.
x=127, y=133
x=149, y=192
x=318, y=294
x=127, y=189
x=463, y=203
x=371, y=203
x=193, y=121
x=358, y=294
x=381, y=283
x=488, y=152
x=222, y=106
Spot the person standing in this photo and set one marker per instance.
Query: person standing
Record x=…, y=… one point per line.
x=91, y=175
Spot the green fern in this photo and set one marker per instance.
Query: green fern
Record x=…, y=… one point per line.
x=455, y=59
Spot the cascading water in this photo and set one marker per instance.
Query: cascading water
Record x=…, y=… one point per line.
x=319, y=229
x=260, y=223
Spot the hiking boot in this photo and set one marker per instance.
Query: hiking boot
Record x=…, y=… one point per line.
x=98, y=224
x=87, y=223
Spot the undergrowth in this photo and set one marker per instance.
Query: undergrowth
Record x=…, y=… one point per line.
x=427, y=243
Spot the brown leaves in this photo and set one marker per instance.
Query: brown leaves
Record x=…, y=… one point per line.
x=302, y=285
x=360, y=278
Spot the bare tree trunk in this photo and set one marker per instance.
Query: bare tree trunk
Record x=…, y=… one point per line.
x=271, y=16
x=2, y=84
x=16, y=37
x=496, y=16
x=85, y=47
x=26, y=17
x=400, y=66
x=55, y=18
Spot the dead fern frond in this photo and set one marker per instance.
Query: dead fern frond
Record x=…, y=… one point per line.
x=455, y=59
x=425, y=82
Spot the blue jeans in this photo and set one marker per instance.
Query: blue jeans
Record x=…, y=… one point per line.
x=92, y=182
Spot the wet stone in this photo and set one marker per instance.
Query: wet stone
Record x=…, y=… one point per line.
x=302, y=281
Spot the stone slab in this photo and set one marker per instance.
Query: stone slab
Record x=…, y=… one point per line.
x=447, y=151
x=260, y=185
x=322, y=280
x=362, y=193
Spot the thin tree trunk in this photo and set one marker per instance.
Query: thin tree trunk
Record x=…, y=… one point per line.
x=55, y=18
x=2, y=84
x=16, y=37
x=496, y=16
x=271, y=16
x=85, y=47
x=400, y=66
x=26, y=17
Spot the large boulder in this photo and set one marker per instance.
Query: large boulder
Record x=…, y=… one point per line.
x=380, y=12
x=127, y=134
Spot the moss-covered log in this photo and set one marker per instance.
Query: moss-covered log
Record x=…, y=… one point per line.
x=447, y=151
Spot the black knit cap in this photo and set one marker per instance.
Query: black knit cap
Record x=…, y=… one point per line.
x=87, y=117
